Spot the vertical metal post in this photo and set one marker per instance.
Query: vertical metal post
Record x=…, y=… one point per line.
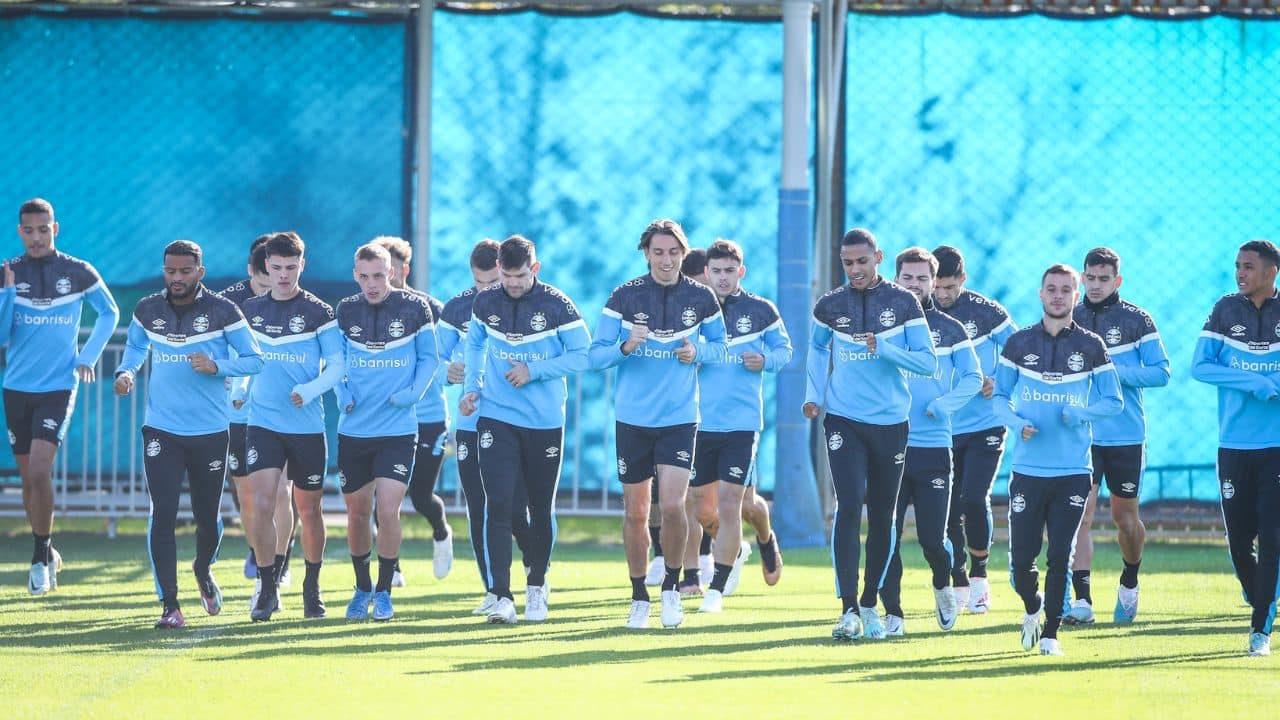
x=421, y=271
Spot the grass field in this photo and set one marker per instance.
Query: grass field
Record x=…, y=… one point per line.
x=88, y=649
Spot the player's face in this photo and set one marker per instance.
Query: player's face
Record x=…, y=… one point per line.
x=259, y=283
x=374, y=278
x=1100, y=281
x=518, y=281
x=860, y=263
x=284, y=272
x=399, y=273
x=665, y=256
x=946, y=290
x=485, y=278
x=182, y=275
x=1254, y=276
x=918, y=278
x=724, y=275
x=37, y=231
x=1059, y=294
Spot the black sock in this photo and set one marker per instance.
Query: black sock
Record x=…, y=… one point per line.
x=361, y=565
x=895, y=610
x=691, y=577
x=41, y=549
x=252, y=557
x=768, y=553
x=1129, y=576
x=848, y=602
x=959, y=578
x=386, y=568
x=169, y=604
x=704, y=548
x=312, y=578
x=638, y=590
x=1080, y=585
x=267, y=576
x=672, y=579
x=279, y=567
x=978, y=565
x=439, y=534
x=721, y=576
x=655, y=534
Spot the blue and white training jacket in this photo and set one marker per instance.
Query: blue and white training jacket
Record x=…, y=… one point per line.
x=936, y=397
x=1141, y=362
x=1239, y=351
x=731, y=396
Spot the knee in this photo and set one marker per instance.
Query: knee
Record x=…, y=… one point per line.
x=1126, y=516
x=637, y=515
x=264, y=504
x=671, y=507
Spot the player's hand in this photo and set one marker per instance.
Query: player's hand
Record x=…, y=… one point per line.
x=1028, y=431
x=639, y=334
x=518, y=375
x=467, y=404
x=932, y=410
x=9, y=280
x=810, y=410
x=1266, y=391
x=296, y=399
x=403, y=398
x=86, y=373
x=123, y=384
x=203, y=364
x=871, y=343
x=753, y=361
x=1071, y=417
x=988, y=387
x=457, y=373
x=237, y=404
x=687, y=351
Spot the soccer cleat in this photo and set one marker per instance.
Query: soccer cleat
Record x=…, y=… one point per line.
x=1259, y=644
x=638, y=619
x=706, y=568
x=210, y=593
x=1126, y=605
x=257, y=590
x=250, y=566
x=535, y=604
x=171, y=620
x=657, y=571
x=735, y=575
x=442, y=556
x=946, y=610
x=1050, y=646
x=1080, y=613
x=54, y=567
x=872, y=625
x=382, y=609
x=963, y=596
x=503, y=613
x=712, y=602
x=672, y=613
x=1031, y=627
x=358, y=608
x=265, y=606
x=771, y=578
x=397, y=579
x=849, y=627
x=312, y=603
x=38, y=579
x=979, y=596
x=487, y=605
x=894, y=626
x=689, y=589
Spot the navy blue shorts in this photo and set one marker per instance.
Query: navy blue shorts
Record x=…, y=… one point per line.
x=360, y=460
x=1122, y=466
x=37, y=416
x=307, y=455
x=236, y=462
x=642, y=449
x=727, y=456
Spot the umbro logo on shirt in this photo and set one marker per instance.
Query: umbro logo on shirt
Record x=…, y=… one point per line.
x=158, y=323
x=899, y=458
x=1031, y=359
x=493, y=320
x=23, y=287
x=843, y=322
x=313, y=478
x=257, y=320
x=355, y=330
x=1237, y=330
x=641, y=317
x=993, y=440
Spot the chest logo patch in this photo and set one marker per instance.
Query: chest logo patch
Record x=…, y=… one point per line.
x=1113, y=336
x=743, y=325
x=971, y=329
x=63, y=286
x=538, y=322
x=1075, y=362
x=689, y=317
x=297, y=324
x=888, y=318
x=200, y=324
x=936, y=337
x=396, y=328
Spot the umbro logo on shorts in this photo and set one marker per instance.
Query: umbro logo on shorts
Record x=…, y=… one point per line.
x=735, y=471
x=1076, y=501
x=1128, y=487
x=50, y=424
x=216, y=465
x=553, y=452
x=313, y=478
x=899, y=458
x=939, y=483
x=399, y=469
x=993, y=441
x=682, y=455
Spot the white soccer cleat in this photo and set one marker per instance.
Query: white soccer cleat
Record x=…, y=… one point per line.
x=442, y=556
x=735, y=575
x=487, y=605
x=894, y=626
x=849, y=627
x=872, y=626
x=638, y=619
x=712, y=602
x=657, y=571
x=503, y=612
x=1259, y=644
x=946, y=610
x=1031, y=628
x=963, y=595
x=1050, y=646
x=1080, y=613
x=1126, y=605
x=706, y=569
x=397, y=579
x=38, y=579
x=535, y=604
x=978, y=596
x=672, y=612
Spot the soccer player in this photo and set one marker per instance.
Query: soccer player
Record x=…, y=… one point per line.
x=40, y=305
x=524, y=339
x=433, y=421
x=257, y=283
x=390, y=346
x=647, y=329
x=698, y=563
x=865, y=334
x=731, y=404
x=1055, y=378
x=927, y=473
x=977, y=437
x=1119, y=454
x=303, y=360
x=195, y=334
x=1239, y=352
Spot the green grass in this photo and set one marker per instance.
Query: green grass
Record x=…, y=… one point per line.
x=88, y=650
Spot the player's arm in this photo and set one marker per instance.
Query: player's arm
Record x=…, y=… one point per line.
x=448, y=337
x=477, y=346
x=711, y=347
x=137, y=344
x=1207, y=368
x=606, y=345
x=1152, y=369
x=342, y=391
x=1007, y=378
x=333, y=362
x=100, y=300
x=7, y=294
x=777, y=344
x=968, y=381
x=575, y=339
x=426, y=363
x=1106, y=397
x=818, y=365
x=918, y=355
x=247, y=358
